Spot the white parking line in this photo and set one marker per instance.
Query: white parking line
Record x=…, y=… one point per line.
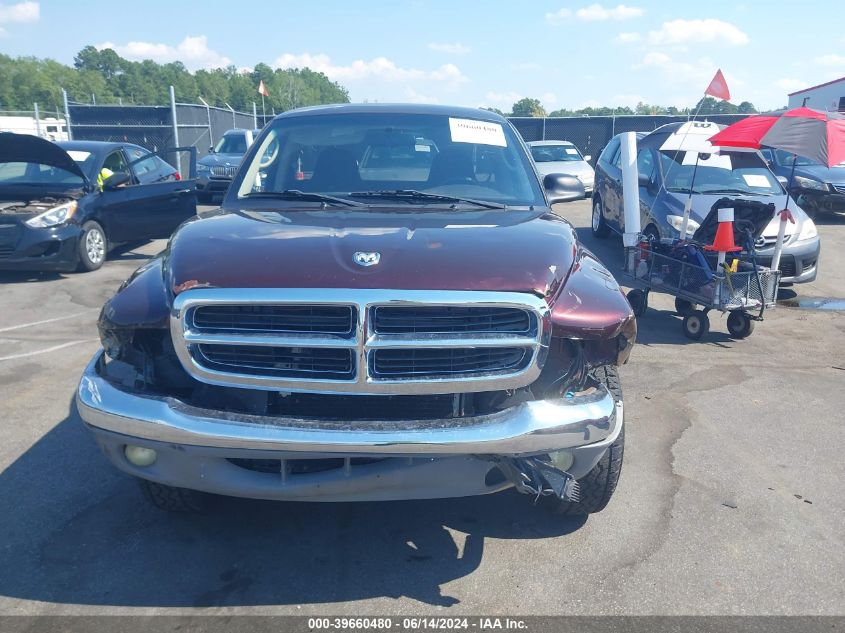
x=61, y=318
x=46, y=350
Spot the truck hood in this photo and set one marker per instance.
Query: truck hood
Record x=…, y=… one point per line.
x=518, y=251
x=227, y=160
x=26, y=148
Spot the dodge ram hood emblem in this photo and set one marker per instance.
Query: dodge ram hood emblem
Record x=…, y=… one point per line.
x=366, y=259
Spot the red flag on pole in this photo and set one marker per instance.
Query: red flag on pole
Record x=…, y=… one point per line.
x=719, y=87
x=262, y=89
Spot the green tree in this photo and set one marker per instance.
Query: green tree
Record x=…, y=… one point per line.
x=528, y=107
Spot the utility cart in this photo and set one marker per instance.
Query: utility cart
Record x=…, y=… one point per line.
x=683, y=269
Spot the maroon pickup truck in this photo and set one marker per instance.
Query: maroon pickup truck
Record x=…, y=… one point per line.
x=385, y=307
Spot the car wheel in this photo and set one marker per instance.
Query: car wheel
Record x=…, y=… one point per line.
x=93, y=247
x=639, y=301
x=597, y=486
x=599, y=225
x=683, y=307
x=740, y=325
x=174, y=499
x=696, y=325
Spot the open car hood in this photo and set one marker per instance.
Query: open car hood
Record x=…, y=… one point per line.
x=26, y=148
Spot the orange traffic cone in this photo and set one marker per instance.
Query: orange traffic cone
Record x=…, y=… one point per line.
x=724, y=242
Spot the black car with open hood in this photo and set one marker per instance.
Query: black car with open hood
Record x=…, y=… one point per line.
x=62, y=206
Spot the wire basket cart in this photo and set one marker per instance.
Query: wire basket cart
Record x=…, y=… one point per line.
x=671, y=269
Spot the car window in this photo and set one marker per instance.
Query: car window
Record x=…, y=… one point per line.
x=115, y=162
x=645, y=163
x=727, y=172
x=14, y=173
x=555, y=153
x=231, y=144
x=609, y=152
x=433, y=153
x=617, y=158
x=149, y=168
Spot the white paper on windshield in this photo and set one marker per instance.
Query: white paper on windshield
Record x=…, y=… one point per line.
x=422, y=148
x=571, y=150
x=481, y=132
x=756, y=180
x=78, y=156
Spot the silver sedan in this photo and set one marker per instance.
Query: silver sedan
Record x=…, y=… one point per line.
x=562, y=157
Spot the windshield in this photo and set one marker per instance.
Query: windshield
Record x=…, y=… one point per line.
x=12, y=174
x=730, y=172
x=341, y=153
x=555, y=153
x=231, y=144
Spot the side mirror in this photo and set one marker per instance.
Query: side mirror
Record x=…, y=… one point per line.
x=643, y=180
x=588, y=158
x=782, y=180
x=562, y=188
x=115, y=181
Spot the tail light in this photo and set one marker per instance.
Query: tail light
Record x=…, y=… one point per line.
x=177, y=176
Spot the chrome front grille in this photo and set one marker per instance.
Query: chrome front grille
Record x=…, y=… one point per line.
x=839, y=188
x=223, y=171
x=361, y=341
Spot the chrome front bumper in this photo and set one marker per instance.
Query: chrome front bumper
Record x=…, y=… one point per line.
x=590, y=417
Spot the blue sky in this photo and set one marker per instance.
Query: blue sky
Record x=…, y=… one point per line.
x=567, y=54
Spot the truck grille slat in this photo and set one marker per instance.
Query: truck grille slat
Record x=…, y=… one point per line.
x=402, y=363
x=449, y=319
x=345, y=341
x=286, y=361
x=264, y=318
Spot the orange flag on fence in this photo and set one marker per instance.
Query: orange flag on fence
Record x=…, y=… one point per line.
x=262, y=89
x=719, y=87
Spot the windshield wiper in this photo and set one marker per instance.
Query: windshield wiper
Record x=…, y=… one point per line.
x=296, y=194
x=413, y=195
x=728, y=190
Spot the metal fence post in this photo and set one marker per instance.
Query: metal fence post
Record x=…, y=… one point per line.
x=67, y=115
x=37, y=120
x=544, y=128
x=175, y=128
x=254, y=117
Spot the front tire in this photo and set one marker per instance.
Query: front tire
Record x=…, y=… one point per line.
x=93, y=247
x=696, y=325
x=598, y=223
x=638, y=300
x=598, y=485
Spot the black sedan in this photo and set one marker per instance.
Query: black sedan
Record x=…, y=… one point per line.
x=64, y=205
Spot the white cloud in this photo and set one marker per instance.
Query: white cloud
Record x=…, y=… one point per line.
x=503, y=98
x=454, y=48
x=558, y=16
x=415, y=97
x=791, y=85
x=626, y=100
x=628, y=38
x=696, y=73
x=377, y=68
x=18, y=14
x=548, y=99
x=193, y=51
x=596, y=12
x=681, y=32
x=830, y=60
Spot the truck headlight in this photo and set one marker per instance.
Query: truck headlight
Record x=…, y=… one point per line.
x=675, y=221
x=808, y=230
x=809, y=183
x=53, y=217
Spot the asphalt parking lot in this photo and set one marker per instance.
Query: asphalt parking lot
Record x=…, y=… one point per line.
x=730, y=500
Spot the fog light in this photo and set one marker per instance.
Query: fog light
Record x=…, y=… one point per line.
x=140, y=456
x=562, y=459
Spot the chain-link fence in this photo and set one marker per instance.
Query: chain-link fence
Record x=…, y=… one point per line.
x=158, y=128
x=591, y=133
